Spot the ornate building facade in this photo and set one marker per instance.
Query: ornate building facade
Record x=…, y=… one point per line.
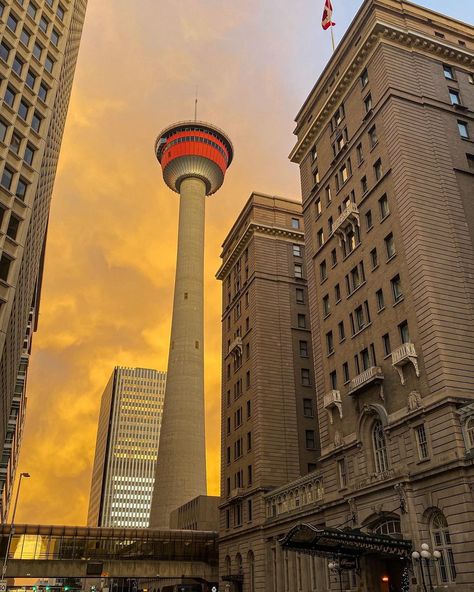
x=386, y=155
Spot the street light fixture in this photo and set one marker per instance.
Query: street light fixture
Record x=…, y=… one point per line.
x=12, y=525
x=428, y=557
x=336, y=566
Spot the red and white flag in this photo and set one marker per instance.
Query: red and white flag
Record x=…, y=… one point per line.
x=327, y=15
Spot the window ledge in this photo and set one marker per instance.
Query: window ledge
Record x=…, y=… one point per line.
x=401, y=299
x=353, y=251
x=357, y=289
x=326, y=316
x=384, y=218
x=391, y=258
x=381, y=309
x=375, y=145
x=361, y=330
x=375, y=267
x=331, y=353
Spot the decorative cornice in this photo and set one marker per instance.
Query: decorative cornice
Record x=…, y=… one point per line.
x=252, y=228
x=292, y=486
x=391, y=33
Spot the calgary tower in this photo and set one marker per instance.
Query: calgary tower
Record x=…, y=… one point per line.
x=194, y=157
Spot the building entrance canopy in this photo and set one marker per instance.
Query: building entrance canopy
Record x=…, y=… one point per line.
x=344, y=543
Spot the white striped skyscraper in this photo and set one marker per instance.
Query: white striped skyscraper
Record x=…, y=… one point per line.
x=127, y=448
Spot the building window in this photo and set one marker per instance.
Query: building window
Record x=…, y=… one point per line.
x=12, y=22
x=364, y=78
x=36, y=121
x=3, y=130
x=380, y=447
x=329, y=343
x=32, y=10
x=373, y=138
x=320, y=236
x=342, y=471
x=300, y=295
x=387, y=350
x=4, y=51
x=249, y=510
x=21, y=188
x=13, y=226
x=334, y=253
x=17, y=66
x=316, y=177
x=328, y=195
x=314, y=153
x=364, y=185
x=10, y=95
x=25, y=36
x=454, y=96
x=383, y=207
x=380, y=300
x=318, y=208
x=303, y=349
x=323, y=272
x=404, y=334
x=337, y=293
x=15, y=143
x=310, y=440
x=421, y=442
x=295, y=223
x=308, y=408
x=378, y=169
x=29, y=154
x=396, y=288
x=345, y=372
x=298, y=270
x=43, y=92
x=326, y=305
x=49, y=63
x=249, y=441
x=305, y=377
x=441, y=538
x=60, y=12
x=463, y=130
x=7, y=178
x=23, y=109
x=5, y=263
x=247, y=379
x=342, y=332
x=344, y=173
x=297, y=250
x=368, y=103
x=31, y=79
x=448, y=72
x=333, y=380
x=374, y=258
x=360, y=155
x=249, y=409
x=368, y=220
x=390, y=246
x=302, y=321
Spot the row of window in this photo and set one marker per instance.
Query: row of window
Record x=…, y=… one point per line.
x=367, y=357
x=19, y=62
x=238, y=447
x=237, y=514
x=44, y=24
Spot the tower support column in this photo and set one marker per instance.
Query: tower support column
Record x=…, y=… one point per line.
x=182, y=441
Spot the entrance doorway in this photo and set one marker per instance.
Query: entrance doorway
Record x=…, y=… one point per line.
x=382, y=574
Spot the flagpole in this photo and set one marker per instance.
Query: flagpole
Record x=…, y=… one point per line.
x=332, y=40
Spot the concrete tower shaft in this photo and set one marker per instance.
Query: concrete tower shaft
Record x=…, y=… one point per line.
x=194, y=157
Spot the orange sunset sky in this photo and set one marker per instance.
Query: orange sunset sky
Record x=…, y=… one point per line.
x=108, y=284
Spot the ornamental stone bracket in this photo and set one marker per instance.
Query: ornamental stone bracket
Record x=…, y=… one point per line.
x=332, y=400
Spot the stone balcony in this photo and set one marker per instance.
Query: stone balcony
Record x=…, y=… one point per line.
x=235, y=345
x=349, y=217
x=294, y=496
x=332, y=400
x=370, y=376
x=403, y=355
x=236, y=493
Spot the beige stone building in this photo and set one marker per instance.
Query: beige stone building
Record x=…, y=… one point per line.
x=38, y=52
x=386, y=154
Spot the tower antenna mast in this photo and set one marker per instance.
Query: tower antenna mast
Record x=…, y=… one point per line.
x=196, y=105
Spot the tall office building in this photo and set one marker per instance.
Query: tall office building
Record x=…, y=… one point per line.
x=269, y=421
x=38, y=52
x=127, y=448
x=194, y=157
x=384, y=145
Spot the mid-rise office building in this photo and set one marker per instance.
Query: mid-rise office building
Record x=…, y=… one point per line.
x=126, y=451
x=39, y=43
x=385, y=149
x=269, y=424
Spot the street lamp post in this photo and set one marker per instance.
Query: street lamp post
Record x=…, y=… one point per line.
x=12, y=526
x=427, y=556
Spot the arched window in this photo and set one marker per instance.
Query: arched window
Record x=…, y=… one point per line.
x=238, y=563
x=387, y=526
x=227, y=565
x=380, y=447
x=470, y=432
x=441, y=539
x=251, y=564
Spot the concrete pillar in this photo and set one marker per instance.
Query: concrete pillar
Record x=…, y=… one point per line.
x=181, y=467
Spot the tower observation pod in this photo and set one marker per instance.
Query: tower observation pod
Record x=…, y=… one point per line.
x=194, y=157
